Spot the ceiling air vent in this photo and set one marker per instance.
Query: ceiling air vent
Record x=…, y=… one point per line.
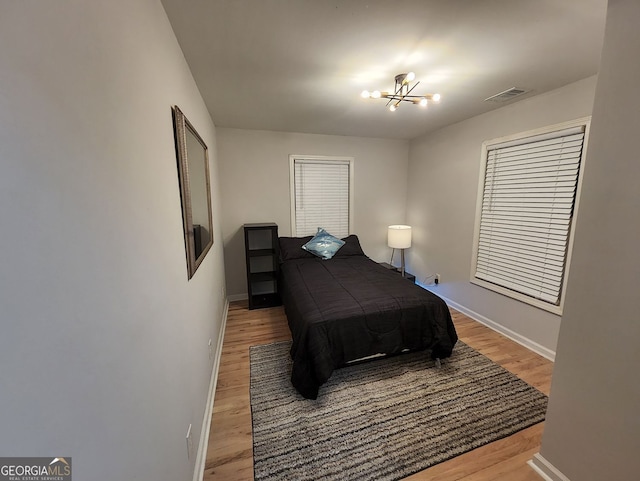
x=506, y=95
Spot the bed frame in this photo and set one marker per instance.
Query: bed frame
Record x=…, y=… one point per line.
x=349, y=308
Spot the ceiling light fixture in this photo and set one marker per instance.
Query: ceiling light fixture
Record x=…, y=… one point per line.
x=401, y=93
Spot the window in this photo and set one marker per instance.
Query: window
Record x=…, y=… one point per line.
x=321, y=194
x=526, y=203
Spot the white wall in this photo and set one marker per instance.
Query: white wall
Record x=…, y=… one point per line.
x=592, y=430
x=444, y=169
x=255, y=169
x=103, y=346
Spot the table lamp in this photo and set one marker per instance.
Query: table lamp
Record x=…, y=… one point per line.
x=399, y=237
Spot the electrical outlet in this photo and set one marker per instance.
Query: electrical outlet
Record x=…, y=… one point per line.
x=224, y=292
x=437, y=280
x=210, y=350
x=189, y=438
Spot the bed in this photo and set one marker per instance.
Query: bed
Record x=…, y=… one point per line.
x=349, y=308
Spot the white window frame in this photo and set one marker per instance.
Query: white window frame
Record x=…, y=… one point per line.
x=321, y=158
x=522, y=138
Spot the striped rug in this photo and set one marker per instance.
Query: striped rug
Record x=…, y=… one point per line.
x=385, y=419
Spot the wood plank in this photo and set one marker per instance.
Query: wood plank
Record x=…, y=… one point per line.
x=230, y=450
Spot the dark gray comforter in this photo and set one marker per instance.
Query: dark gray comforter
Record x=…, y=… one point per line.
x=350, y=307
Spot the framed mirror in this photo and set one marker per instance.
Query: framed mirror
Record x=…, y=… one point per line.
x=195, y=190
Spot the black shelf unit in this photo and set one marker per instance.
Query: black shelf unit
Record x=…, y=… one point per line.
x=261, y=250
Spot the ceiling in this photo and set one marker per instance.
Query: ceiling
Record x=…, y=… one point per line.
x=300, y=65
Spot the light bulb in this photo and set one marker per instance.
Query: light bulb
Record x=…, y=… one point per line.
x=375, y=94
x=410, y=76
x=365, y=94
x=436, y=97
x=423, y=102
x=392, y=108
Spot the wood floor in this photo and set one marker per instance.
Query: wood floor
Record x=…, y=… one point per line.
x=230, y=456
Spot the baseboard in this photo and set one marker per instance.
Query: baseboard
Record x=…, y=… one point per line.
x=514, y=336
x=545, y=469
x=203, y=444
x=238, y=297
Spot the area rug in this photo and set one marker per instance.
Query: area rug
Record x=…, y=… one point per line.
x=385, y=419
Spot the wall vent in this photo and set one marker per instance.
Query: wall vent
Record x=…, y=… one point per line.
x=506, y=95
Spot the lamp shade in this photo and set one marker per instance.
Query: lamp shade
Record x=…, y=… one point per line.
x=399, y=236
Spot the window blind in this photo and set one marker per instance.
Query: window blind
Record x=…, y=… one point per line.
x=526, y=213
x=321, y=196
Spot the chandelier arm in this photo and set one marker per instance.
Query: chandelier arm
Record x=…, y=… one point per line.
x=407, y=98
x=409, y=91
x=396, y=95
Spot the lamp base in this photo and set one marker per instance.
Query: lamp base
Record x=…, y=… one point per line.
x=401, y=268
